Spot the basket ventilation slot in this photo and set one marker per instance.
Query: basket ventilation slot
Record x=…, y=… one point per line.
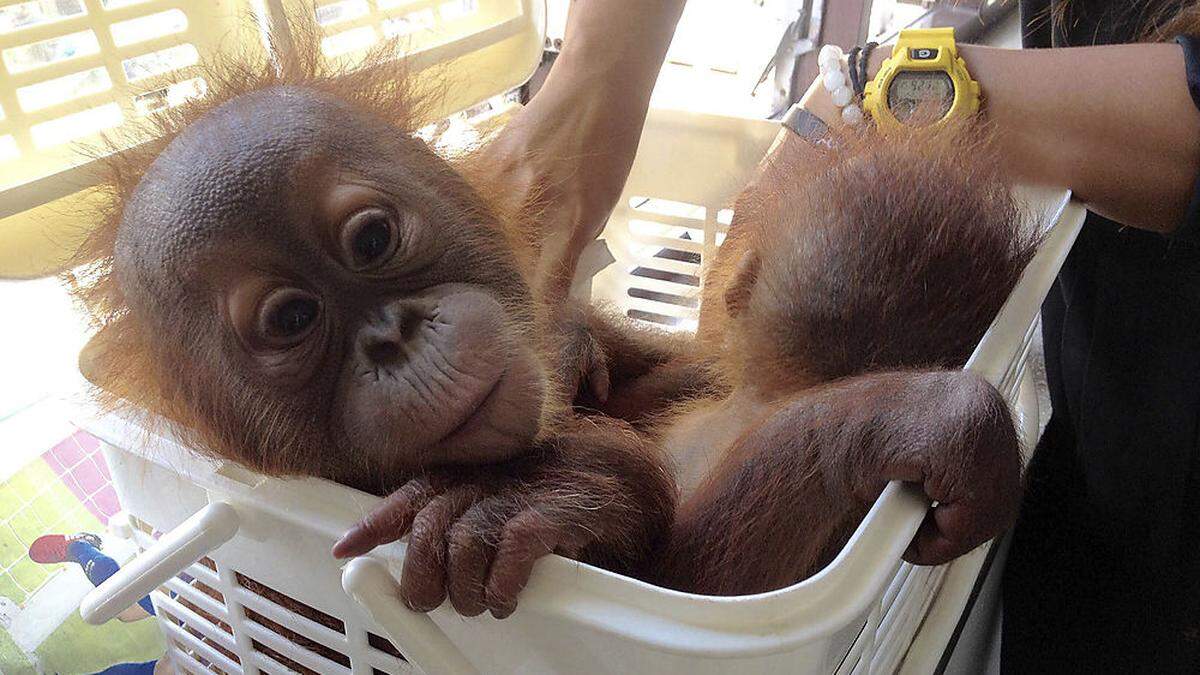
x=198, y=620
x=75, y=72
x=276, y=617
x=669, y=242
x=384, y=645
x=209, y=615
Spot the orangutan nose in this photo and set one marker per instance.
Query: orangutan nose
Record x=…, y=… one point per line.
x=385, y=340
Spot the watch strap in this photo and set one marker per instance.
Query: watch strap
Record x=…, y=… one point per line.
x=938, y=37
x=807, y=125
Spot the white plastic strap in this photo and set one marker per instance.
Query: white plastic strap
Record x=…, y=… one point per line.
x=195, y=537
x=422, y=642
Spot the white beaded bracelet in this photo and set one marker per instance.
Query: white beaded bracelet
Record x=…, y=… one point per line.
x=835, y=77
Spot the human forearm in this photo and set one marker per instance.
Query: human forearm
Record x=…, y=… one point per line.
x=602, y=80
x=624, y=38
x=1115, y=124
x=567, y=154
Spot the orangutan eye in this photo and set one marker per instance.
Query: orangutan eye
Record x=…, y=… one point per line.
x=372, y=241
x=369, y=238
x=288, y=315
x=294, y=317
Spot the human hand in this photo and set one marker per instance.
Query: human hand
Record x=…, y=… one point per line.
x=572, y=147
x=818, y=101
x=561, y=163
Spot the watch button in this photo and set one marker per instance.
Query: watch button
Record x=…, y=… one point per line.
x=923, y=54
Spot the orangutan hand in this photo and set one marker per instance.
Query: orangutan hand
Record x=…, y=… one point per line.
x=596, y=493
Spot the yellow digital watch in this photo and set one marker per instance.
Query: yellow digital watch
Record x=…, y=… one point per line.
x=924, y=76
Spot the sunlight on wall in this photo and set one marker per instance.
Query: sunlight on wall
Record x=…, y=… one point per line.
x=37, y=356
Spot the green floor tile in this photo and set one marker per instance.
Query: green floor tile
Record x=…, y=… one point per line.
x=50, y=508
x=63, y=499
x=30, y=575
x=11, y=548
x=28, y=482
x=12, y=660
x=10, y=503
x=9, y=589
x=82, y=520
x=77, y=647
x=27, y=525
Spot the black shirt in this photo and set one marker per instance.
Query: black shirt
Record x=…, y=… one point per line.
x=1104, y=572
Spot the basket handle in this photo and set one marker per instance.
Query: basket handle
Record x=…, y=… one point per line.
x=194, y=538
x=422, y=642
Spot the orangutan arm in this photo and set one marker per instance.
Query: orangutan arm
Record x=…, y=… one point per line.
x=788, y=494
x=627, y=369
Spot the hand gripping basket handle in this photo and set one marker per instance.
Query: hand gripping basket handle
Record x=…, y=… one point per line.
x=422, y=642
x=195, y=537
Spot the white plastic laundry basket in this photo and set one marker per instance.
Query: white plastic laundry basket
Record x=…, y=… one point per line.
x=867, y=612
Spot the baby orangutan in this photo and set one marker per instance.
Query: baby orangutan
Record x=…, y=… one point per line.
x=305, y=288
x=854, y=284
x=302, y=286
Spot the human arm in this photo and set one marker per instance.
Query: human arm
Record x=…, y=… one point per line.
x=1116, y=124
x=571, y=148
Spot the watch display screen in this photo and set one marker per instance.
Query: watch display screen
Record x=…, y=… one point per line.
x=931, y=93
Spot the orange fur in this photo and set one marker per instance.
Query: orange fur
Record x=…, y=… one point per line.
x=877, y=254
x=137, y=371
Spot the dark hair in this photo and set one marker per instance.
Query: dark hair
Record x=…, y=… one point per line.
x=1153, y=20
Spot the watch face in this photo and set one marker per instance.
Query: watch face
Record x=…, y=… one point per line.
x=927, y=93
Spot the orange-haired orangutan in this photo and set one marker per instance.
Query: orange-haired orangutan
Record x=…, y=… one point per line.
x=853, y=278
x=306, y=288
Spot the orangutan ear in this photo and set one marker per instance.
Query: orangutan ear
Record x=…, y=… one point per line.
x=741, y=284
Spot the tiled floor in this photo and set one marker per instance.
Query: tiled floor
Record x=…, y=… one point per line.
x=79, y=465
x=65, y=490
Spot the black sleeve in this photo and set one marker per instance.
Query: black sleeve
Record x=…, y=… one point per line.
x=1189, y=229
